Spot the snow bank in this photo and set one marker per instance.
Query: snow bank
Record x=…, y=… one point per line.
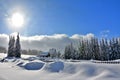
x=59, y=70
x=54, y=66
x=32, y=69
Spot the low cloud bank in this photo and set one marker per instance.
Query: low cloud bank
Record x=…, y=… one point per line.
x=45, y=42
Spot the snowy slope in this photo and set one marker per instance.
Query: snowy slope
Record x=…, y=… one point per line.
x=18, y=69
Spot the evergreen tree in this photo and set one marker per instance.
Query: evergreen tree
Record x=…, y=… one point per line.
x=17, y=47
x=11, y=46
x=67, y=53
x=70, y=52
x=81, y=49
x=118, y=48
x=89, y=50
x=95, y=48
x=106, y=50
x=113, y=49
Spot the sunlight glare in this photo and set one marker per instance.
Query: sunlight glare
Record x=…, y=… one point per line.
x=17, y=20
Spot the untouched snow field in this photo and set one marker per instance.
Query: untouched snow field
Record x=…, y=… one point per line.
x=27, y=69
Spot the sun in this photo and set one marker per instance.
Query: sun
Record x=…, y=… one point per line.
x=17, y=20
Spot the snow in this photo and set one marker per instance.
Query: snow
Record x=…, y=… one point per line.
x=34, y=66
x=55, y=66
x=25, y=69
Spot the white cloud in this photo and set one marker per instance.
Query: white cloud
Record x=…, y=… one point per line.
x=45, y=42
x=4, y=40
x=104, y=33
x=87, y=36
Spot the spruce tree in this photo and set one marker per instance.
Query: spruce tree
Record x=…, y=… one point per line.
x=70, y=52
x=17, y=47
x=11, y=46
x=67, y=52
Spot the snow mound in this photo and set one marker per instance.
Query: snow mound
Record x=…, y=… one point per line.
x=34, y=66
x=55, y=66
x=31, y=65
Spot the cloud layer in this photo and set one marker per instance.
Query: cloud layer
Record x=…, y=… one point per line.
x=45, y=42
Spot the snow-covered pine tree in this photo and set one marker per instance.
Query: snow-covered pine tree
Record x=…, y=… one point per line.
x=89, y=50
x=58, y=54
x=110, y=50
x=106, y=49
x=70, y=52
x=118, y=48
x=102, y=45
x=81, y=49
x=11, y=46
x=67, y=52
x=17, y=47
x=114, y=49
x=93, y=48
x=97, y=50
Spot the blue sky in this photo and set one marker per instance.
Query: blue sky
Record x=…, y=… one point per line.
x=47, y=17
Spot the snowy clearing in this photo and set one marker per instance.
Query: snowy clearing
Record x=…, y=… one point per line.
x=20, y=69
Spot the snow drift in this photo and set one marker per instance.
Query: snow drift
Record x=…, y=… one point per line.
x=34, y=66
x=55, y=66
x=31, y=65
x=25, y=69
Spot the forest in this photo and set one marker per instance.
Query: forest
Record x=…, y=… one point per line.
x=97, y=49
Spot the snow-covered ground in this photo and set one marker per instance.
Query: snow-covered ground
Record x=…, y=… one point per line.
x=27, y=69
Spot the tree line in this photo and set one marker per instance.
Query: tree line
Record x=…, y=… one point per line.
x=103, y=49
